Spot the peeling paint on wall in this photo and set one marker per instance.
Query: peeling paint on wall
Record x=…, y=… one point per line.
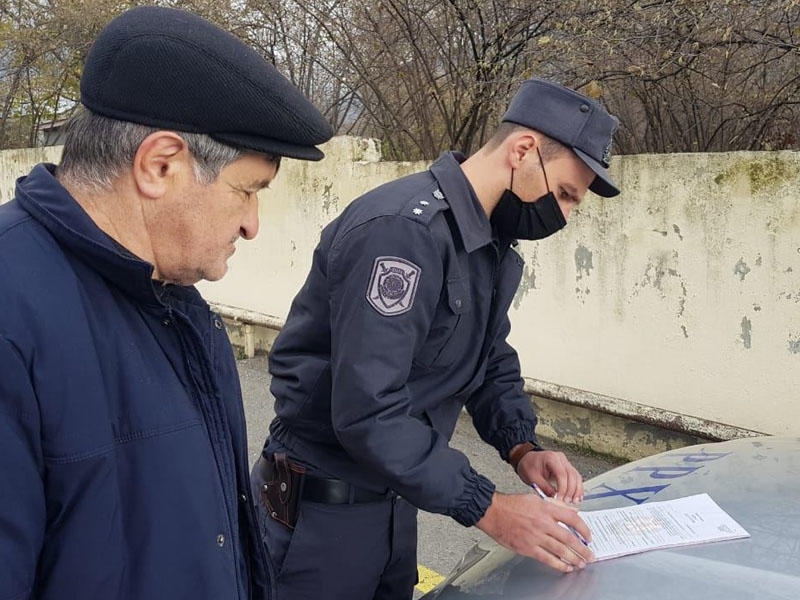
x=677, y=231
x=526, y=284
x=566, y=427
x=662, y=274
x=747, y=328
x=794, y=345
x=583, y=261
x=682, y=302
x=790, y=296
x=528, y=280
x=328, y=200
x=741, y=269
x=583, y=268
x=656, y=270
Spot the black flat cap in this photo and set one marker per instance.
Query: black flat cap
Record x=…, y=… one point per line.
x=572, y=119
x=171, y=69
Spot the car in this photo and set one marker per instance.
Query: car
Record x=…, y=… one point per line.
x=755, y=480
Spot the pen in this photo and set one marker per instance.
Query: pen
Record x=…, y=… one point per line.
x=574, y=531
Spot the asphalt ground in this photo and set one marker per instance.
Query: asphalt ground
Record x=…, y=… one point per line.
x=442, y=541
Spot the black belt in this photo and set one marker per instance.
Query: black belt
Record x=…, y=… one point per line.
x=325, y=490
x=336, y=491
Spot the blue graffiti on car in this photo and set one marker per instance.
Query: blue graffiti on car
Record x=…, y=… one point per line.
x=676, y=470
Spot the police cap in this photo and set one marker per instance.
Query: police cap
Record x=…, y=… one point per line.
x=170, y=69
x=571, y=118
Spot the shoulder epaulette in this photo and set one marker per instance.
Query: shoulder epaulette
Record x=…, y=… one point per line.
x=425, y=205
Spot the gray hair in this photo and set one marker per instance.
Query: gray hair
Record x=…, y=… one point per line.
x=98, y=150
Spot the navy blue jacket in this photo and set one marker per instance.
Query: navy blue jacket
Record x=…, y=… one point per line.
x=401, y=323
x=122, y=437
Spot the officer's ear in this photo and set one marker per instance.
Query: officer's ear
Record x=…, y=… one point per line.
x=519, y=146
x=163, y=158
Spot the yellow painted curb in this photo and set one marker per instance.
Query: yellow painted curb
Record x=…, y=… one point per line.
x=428, y=579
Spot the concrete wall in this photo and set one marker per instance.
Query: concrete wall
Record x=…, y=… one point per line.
x=16, y=163
x=682, y=294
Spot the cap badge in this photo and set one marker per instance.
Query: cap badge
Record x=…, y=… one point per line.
x=606, y=160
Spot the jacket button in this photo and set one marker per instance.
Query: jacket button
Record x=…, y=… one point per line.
x=243, y=498
x=220, y=540
x=458, y=302
x=218, y=324
x=584, y=108
x=283, y=486
x=166, y=322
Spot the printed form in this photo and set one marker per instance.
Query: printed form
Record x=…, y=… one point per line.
x=681, y=522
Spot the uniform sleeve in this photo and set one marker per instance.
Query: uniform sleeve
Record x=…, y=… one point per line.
x=385, y=281
x=22, y=503
x=501, y=411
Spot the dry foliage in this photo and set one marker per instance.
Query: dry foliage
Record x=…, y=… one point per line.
x=430, y=75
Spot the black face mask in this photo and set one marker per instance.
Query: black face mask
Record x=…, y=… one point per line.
x=527, y=220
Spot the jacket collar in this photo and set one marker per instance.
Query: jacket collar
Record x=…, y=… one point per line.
x=471, y=219
x=49, y=203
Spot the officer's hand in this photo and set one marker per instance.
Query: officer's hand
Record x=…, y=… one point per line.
x=529, y=526
x=553, y=473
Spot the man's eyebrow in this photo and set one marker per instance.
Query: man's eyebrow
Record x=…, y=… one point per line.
x=258, y=184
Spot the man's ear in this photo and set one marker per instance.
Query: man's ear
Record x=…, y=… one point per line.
x=519, y=147
x=162, y=156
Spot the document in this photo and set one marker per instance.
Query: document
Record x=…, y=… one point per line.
x=654, y=525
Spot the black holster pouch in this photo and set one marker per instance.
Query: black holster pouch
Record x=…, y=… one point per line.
x=283, y=489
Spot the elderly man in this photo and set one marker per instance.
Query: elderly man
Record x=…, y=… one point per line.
x=122, y=439
x=401, y=323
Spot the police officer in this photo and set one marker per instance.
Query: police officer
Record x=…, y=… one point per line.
x=401, y=323
x=122, y=444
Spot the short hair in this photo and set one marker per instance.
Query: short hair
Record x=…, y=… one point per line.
x=98, y=150
x=548, y=147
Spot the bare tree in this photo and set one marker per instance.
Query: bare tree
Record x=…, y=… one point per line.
x=423, y=75
x=429, y=75
x=44, y=44
x=694, y=75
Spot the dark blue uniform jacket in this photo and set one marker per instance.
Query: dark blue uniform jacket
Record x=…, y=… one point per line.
x=122, y=438
x=402, y=322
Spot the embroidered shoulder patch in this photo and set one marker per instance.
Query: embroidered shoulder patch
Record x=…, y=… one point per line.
x=393, y=285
